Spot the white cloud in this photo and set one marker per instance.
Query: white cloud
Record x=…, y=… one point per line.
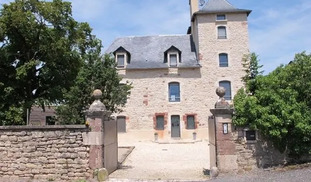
x=278, y=33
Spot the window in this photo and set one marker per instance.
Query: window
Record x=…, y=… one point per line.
x=221, y=17
x=222, y=33
x=223, y=60
x=227, y=86
x=172, y=56
x=173, y=60
x=174, y=92
x=120, y=60
x=250, y=135
x=190, y=122
x=159, y=123
x=50, y=120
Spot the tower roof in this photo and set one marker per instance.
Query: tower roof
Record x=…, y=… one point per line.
x=221, y=6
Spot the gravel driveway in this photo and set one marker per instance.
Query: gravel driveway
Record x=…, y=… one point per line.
x=153, y=161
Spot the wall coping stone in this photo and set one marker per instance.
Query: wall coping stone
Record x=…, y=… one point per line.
x=48, y=127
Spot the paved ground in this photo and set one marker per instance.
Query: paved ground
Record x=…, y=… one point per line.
x=277, y=175
x=154, y=161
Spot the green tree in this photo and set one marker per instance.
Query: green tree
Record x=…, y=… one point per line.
x=96, y=73
x=252, y=68
x=41, y=52
x=280, y=107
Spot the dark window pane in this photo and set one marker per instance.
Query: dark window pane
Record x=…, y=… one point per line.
x=174, y=92
x=50, y=120
x=160, y=123
x=250, y=135
x=190, y=122
x=173, y=60
x=120, y=60
x=222, y=34
x=223, y=60
x=221, y=17
x=227, y=86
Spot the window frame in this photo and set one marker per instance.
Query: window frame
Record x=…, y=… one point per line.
x=228, y=95
x=219, y=28
x=222, y=63
x=124, y=60
x=222, y=16
x=176, y=99
x=156, y=127
x=169, y=58
x=194, y=122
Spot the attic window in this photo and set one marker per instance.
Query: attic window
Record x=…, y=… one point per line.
x=123, y=57
x=221, y=17
x=120, y=59
x=173, y=59
x=172, y=56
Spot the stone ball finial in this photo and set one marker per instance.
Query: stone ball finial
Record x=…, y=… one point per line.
x=221, y=91
x=97, y=94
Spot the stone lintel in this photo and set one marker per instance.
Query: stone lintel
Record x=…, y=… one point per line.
x=97, y=113
x=217, y=112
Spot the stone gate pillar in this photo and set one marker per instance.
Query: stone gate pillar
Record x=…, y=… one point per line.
x=226, y=158
x=97, y=115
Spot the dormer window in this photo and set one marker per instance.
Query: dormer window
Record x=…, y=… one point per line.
x=172, y=56
x=120, y=60
x=221, y=17
x=173, y=59
x=122, y=56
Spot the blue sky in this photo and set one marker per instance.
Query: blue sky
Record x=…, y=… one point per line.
x=278, y=29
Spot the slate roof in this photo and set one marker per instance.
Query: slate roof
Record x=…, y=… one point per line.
x=147, y=52
x=221, y=6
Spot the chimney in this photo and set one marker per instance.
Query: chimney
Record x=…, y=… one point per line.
x=194, y=7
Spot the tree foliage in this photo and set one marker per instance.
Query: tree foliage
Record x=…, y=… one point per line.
x=252, y=68
x=41, y=51
x=280, y=106
x=95, y=74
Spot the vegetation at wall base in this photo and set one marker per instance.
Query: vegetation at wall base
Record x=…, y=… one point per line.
x=279, y=106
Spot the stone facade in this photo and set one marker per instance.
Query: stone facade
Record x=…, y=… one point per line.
x=38, y=117
x=149, y=98
x=150, y=91
x=44, y=153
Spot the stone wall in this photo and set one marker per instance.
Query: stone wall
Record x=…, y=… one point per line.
x=50, y=153
x=149, y=98
x=238, y=149
x=260, y=153
x=256, y=154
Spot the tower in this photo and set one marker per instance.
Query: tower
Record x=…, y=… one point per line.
x=220, y=34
